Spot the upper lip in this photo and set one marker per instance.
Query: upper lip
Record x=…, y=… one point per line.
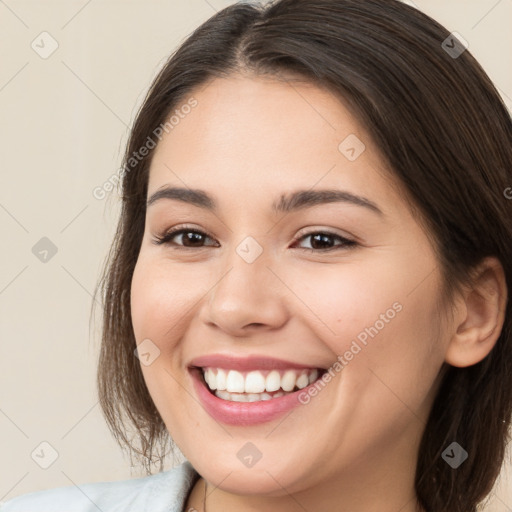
x=253, y=362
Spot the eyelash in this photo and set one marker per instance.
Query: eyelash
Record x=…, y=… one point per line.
x=165, y=239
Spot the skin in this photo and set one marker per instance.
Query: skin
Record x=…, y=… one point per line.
x=354, y=446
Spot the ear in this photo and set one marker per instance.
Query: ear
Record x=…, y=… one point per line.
x=483, y=313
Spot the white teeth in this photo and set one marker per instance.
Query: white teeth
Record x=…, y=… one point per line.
x=273, y=381
x=247, y=397
x=288, y=380
x=255, y=385
x=235, y=382
x=302, y=381
x=209, y=377
x=221, y=379
x=254, y=382
x=222, y=394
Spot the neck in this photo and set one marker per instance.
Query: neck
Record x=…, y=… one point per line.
x=367, y=499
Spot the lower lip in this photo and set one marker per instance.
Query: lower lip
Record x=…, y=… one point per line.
x=243, y=413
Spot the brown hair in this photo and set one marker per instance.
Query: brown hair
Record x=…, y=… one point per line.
x=443, y=131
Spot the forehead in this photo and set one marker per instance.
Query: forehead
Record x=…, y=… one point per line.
x=261, y=135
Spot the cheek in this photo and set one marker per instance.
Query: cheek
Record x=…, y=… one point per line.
x=401, y=352
x=160, y=296
x=379, y=320
x=346, y=302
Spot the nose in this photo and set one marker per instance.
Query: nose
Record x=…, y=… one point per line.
x=247, y=298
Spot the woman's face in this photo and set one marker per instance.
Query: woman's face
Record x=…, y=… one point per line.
x=276, y=277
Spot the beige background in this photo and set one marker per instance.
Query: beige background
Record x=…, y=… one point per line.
x=64, y=120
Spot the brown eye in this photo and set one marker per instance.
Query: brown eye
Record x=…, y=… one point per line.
x=321, y=241
x=324, y=241
x=190, y=238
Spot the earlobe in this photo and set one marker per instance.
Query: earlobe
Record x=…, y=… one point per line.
x=485, y=301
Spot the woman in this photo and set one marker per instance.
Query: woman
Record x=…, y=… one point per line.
x=308, y=288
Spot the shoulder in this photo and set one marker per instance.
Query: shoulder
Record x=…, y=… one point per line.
x=166, y=491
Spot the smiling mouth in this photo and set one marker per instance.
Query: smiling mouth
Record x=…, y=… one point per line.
x=257, y=385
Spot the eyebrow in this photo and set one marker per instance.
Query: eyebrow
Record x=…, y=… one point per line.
x=293, y=201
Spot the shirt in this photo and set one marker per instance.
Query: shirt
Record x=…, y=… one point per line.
x=162, y=492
